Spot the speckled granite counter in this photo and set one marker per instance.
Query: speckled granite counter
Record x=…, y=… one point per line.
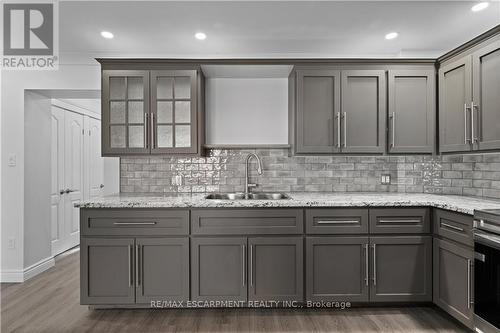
x=460, y=204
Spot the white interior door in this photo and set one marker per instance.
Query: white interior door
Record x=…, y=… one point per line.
x=73, y=175
x=95, y=160
x=57, y=191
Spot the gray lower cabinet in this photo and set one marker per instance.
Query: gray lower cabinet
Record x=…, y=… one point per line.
x=412, y=110
x=275, y=269
x=127, y=270
x=162, y=269
x=337, y=269
x=400, y=220
x=401, y=269
x=453, y=285
x=219, y=269
x=107, y=271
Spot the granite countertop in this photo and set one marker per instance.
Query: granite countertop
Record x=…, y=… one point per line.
x=461, y=204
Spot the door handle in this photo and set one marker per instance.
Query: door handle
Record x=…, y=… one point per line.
x=338, y=130
x=374, y=264
x=473, y=107
x=69, y=191
x=393, y=129
x=345, y=129
x=244, y=261
x=466, y=139
x=153, y=132
x=130, y=270
x=251, y=265
x=469, y=262
x=366, y=264
x=61, y=192
x=452, y=227
x=337, y=222
x=101, y=186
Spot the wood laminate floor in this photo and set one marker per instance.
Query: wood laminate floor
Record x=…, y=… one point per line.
x=49, y=302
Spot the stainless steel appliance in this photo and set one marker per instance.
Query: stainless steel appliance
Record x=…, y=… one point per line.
x=487, y=271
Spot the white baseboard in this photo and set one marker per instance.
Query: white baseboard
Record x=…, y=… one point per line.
x=29, y=272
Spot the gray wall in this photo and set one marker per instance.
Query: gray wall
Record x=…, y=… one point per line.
x=223, y=170
x=37, y=177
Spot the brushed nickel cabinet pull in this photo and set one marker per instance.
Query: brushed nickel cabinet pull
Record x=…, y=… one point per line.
x=400, y=221
x=251, y=265
x=393, y=143
x=243, y=262
x=449, y=226
x=345, y=129
x=366, y=265
x=153, y=131
x=337, y=222
x=137, y=265
x=338, y=130
x=146, y=122
x=130, y=271
x=374, y=264
x=134, y=223
x=473, y=107
x=466, y=139
x=468, y=283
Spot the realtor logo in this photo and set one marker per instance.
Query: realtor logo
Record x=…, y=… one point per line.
x=29, y=36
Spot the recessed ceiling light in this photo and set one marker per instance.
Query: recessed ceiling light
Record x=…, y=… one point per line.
x=480, y=6
x=200, y=35
x=107, y=34
x=391, y=35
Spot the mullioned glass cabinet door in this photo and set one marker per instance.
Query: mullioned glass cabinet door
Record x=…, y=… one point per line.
x=173, y=112
x=125, y=112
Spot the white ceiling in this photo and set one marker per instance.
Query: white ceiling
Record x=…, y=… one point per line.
x=269, y=28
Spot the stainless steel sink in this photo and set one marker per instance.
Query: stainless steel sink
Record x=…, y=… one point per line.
x=251, y=196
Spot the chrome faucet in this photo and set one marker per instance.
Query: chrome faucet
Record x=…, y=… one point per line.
x=259, y=171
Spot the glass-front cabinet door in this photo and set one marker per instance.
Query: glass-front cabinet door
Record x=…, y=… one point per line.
x=173, y=112
x=125, y=112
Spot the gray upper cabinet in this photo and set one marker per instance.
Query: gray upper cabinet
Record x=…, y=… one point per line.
x=337, y=269
x=275, y=269
x=125, y=109
x=485, y=107
x=455, y=94
x=412, y=110
x=107, y=271
x=219, y=269
x=146, y=111
x=401, y=269
x=318, y=111
x=453, y=285
x=362, y=120
x=173, y=112
x=162, y=269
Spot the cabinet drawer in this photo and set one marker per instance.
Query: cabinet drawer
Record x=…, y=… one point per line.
x=454, y=226
x=399, y=220
x=337, y=221
x=246, y=221
x=134, y=222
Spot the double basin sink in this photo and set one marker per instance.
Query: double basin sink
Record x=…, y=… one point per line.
x=251, y=196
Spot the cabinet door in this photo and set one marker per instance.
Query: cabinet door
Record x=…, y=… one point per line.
x=412, y=111
x=318, y=111
x=275, y=269
x=162, y=269
x=455, y=94
x=125, y=109
x=486, y=93
x=337, y=269
x=401, y=269
x=107, y=271
x=219, y=269
x=363, y=119
x=174, y=120
x=452, y=280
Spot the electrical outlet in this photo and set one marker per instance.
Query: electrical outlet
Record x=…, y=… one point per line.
x=385, y=179
x=12, y=243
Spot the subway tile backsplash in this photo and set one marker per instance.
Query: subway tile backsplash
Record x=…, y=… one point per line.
x=223, y=170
